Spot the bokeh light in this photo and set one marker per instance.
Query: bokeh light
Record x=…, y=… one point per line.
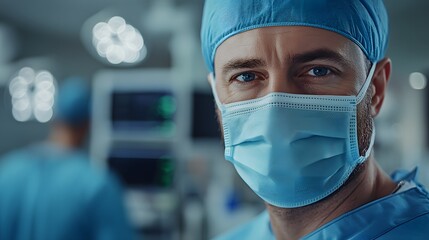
x=118, y=41
x=418, y=80
x=33, y=95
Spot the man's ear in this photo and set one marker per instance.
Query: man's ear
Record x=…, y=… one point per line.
x=379, y=84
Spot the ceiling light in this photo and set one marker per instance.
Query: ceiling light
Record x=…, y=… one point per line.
x=118, y=42
x=32, y=95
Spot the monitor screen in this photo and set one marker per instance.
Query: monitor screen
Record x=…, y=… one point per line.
x=143, y=110
x=143, y=168
x=204, y=125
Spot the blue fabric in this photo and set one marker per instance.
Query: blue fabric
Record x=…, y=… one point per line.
x=49, y=194
x=404, y=215
x=362, y=21
x=73, y=101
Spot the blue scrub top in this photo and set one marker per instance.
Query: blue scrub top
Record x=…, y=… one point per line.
x=48, y=193
x=404, y=215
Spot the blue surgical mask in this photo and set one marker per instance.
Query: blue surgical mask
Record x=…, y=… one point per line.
x=293, y=150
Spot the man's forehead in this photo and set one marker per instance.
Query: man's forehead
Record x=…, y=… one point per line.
x=287, y=41
x=291, y=35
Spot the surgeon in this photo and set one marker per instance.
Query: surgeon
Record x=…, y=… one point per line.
x=297, y=85
x=49, y=191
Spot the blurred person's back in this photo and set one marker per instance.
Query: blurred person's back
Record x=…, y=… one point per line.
x=49, y=190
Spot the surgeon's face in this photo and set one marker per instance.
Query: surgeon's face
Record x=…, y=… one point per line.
x=298, y=60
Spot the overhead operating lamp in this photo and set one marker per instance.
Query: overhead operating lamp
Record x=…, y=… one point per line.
x=114, y=41
x=33, y=95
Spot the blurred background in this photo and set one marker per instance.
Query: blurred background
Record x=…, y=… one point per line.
x=153, y=122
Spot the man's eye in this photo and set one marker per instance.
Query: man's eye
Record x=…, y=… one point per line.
x=319, y=71
x=246, y=77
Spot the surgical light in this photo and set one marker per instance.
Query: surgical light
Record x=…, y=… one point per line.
x=118, y=42
x=33, y=95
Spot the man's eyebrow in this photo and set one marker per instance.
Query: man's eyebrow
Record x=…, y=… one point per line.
x=242, y=63
x=319, y=54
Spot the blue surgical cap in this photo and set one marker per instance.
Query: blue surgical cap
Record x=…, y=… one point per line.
x=73, y=101
x=362, y=21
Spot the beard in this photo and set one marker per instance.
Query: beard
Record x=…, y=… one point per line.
x=364, y=123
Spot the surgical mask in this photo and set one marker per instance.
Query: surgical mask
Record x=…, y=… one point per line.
x=291, y=149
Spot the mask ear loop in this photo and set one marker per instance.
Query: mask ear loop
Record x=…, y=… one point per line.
x=359, y=98
x=213, y=86
x=365, y=86
x=371, y=145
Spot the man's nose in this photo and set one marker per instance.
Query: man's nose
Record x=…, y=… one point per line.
x=282, y=82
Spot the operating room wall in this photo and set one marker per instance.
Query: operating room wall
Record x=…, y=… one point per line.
x=402, y=125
